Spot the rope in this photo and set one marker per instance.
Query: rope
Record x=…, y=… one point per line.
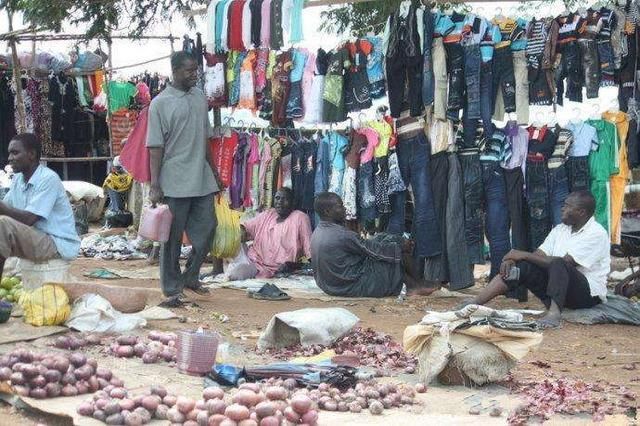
x=138, y=64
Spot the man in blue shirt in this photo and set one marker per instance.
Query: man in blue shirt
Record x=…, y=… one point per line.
x=36, y=220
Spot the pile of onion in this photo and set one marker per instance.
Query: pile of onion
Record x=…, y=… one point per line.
x=48, y=376
x=157, y=347
x=74, y=343
x=116, y=407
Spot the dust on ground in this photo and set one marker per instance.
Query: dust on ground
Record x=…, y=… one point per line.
x=595, y=353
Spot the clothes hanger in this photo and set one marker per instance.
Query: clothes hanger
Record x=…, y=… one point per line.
x=539, y=120
x=498, y=16
x=552, y=119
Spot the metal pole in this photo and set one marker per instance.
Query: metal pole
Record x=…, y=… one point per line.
x=21, y=125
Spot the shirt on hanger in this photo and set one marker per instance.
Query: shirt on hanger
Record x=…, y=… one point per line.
x=247, y=20
x=560, y=151
x=265, y=32
x=518, y=140
x=585, y=139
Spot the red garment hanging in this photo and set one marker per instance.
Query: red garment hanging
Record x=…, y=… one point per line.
x=135, y=154
x=235, y=25
x=222, y=151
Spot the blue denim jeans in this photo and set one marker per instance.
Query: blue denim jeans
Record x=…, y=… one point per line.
x=413, y=161
x=459, y=265
x=558, y=192
x=578, y=173
x=497, y=213
x=455, y=68
x=472, y=80
x=486, y=96
x=323, y=166
x=428, y=83
x=472, y=183
x=514, y=181
x=538, y=199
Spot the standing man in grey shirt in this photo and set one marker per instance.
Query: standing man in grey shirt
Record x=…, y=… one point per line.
x=183, y=175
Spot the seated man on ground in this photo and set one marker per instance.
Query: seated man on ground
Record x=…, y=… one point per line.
x=36, y=220
x=569, y=269
x=280, y=235
x=345, y=264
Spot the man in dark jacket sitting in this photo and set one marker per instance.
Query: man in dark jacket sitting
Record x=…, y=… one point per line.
x=345, y=264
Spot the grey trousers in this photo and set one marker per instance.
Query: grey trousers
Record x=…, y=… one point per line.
x=196, y=216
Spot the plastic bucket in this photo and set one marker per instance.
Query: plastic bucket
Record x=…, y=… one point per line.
x=34, y=275
x=196, y=351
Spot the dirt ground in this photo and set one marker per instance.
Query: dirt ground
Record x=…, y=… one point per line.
x=605, y=353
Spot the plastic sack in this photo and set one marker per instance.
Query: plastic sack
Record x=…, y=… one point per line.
x=311, y=326
x=95, y=314
x=240, y=267
x=47, y=305
x=226, y=241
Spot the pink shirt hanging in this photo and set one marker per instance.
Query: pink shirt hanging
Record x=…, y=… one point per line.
x=373, y=139
x=135, y=154
x=265, y=32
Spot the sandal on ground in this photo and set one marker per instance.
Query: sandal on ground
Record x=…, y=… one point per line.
x=268, y=292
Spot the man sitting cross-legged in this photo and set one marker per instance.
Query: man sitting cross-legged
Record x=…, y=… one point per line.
x=569, y=269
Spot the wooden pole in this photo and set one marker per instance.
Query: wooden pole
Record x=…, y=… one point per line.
x=107, y=79
x=21, y=125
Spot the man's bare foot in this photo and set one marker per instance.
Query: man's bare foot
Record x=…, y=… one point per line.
x=422, y=291
x=549, y=321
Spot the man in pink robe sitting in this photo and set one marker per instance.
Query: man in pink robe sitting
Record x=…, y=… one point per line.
x=280, y=235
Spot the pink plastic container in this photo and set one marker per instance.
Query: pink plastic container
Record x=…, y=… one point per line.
x=155, y=223
x=196, y=351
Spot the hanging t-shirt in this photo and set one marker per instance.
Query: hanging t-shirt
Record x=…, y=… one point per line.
x=222, y=150
x=220, y=19
x=296, y=22
x=277, y=36
x=215, y=84
x=247, y=87
x=246, y=25
x=384, y=131
x=235, y=25
x=265, y=32
x=120, y=95
x=541, y=143
x=226, y=15
x=373, y=139
x=602, y=165
x=585, y=139
x=333, y=95
x=256, y=21
x=560, y=151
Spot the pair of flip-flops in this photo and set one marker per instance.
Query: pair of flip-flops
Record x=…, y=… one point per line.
x=268, y=292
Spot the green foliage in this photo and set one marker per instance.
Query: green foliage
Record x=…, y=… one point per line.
x=101, y=16
x=358, y=18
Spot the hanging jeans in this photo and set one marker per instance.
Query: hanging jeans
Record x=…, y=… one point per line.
x=404, y=70
x=538, y=197
x=455, y=68
x=486, y=96
x=514, y=180
x=309, y=149
x=503, y=79
x=440, y=79
x=578, y=173
x=558, y=192
x=605, y=53
x=522, y=86
x=366, y=193
x=626, y=74
x=428, y=84
x=539, y=87
x=497, y=213
x=459, y=266
x=472, y=182
x=472, y=62
x=570, y=68
x=413, y=161
x=436, y=266
x=590, y=66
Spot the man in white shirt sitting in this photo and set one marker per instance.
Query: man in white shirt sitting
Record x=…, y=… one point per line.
x=569, y=269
